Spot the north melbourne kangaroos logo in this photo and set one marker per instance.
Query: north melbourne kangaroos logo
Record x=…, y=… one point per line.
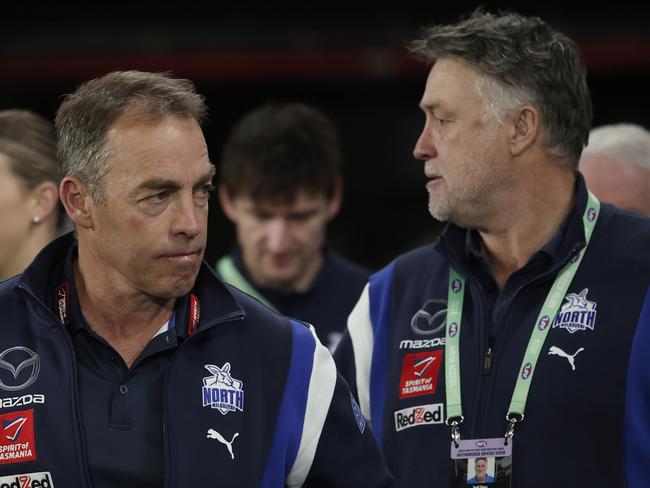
x=577, y=313
x=221, y=391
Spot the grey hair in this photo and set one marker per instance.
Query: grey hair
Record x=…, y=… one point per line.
x=520, y=60
x=624, y=143
x=85, y=116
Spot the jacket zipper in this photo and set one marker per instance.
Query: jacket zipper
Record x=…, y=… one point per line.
x=490, y=359
x=478, y=299
x=487, y=360
x=71, y=355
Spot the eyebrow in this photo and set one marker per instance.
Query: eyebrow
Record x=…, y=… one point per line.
x=157, y=184
x=430, y=107
x=172, y=185
x=207, y=176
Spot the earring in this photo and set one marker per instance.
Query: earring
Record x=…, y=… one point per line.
x=36, y=219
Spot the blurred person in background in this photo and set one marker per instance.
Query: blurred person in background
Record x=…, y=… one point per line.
x=29, y=198
x=616, y=166
x=280, y=186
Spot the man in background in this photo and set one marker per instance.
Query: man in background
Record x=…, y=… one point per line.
x=616, y=166
x=280, y=186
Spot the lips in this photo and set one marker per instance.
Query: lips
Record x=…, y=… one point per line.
x=431, y=173
x=433, y=180
x=184, y=257
x=282, y=260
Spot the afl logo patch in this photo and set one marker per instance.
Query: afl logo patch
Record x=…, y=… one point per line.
x=453, y=329
x=591, y=214
x=543, y=322
x=526, y=370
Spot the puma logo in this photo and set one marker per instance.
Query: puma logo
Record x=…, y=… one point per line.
x=569, y=357
x=213, y=434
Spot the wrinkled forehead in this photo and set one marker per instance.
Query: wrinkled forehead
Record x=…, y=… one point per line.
x=169, y=147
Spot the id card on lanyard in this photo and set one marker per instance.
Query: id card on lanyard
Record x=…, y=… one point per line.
x=488, y=462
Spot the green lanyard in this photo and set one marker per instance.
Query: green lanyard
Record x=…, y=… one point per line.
x=229, y=273
x=540, y=331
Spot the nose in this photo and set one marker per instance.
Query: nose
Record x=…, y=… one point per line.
x=188, y=217
x=425, y=148
x=277, y=235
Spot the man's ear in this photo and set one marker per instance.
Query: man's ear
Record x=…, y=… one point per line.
x=334, y=204
x=44, y=199
x=227, y=204
x=76, y=201
x=525, y=129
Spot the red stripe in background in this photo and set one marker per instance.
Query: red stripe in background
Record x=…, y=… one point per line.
x=365, y=63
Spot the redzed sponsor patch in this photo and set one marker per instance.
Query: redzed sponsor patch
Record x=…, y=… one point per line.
x=420, y=373
x=42, y=479
x=17, y=437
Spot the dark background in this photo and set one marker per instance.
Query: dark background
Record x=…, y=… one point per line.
x=350, y=62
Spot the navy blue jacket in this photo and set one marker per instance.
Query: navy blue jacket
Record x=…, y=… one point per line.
x=573, y=433
x=328, y=301
x=270, y=382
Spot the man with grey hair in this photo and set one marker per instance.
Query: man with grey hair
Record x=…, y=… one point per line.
x=616, y=166
x=510, y=338
x=125, y=361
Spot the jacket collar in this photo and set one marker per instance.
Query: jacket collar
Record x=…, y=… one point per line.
x=459, y=245
x=45, y=276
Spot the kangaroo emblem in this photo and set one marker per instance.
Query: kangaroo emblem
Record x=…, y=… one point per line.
x=569, y=357
x=213, y=434
x=221, y=375
x=579, y=301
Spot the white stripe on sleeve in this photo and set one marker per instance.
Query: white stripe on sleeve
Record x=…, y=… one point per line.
x=321, y=390
x=360, y=328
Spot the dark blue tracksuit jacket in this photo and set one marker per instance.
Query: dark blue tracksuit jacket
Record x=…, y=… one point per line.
x=574, y=433
x=274, y=385
x=328, y=301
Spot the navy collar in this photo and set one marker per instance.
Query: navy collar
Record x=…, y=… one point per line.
x=75, y=321
x=462, y=247
x=473, y=242
x=52, y=269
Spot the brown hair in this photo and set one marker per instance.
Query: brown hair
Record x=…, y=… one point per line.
x=29, y=142
x=277, y=150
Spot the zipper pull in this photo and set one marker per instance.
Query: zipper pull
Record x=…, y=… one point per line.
x=487, y=362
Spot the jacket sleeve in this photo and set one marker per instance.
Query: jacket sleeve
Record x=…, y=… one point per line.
x=321, y=437
x=637, y=403
x=346, y=452
x=363, y=355
x=353, y=355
